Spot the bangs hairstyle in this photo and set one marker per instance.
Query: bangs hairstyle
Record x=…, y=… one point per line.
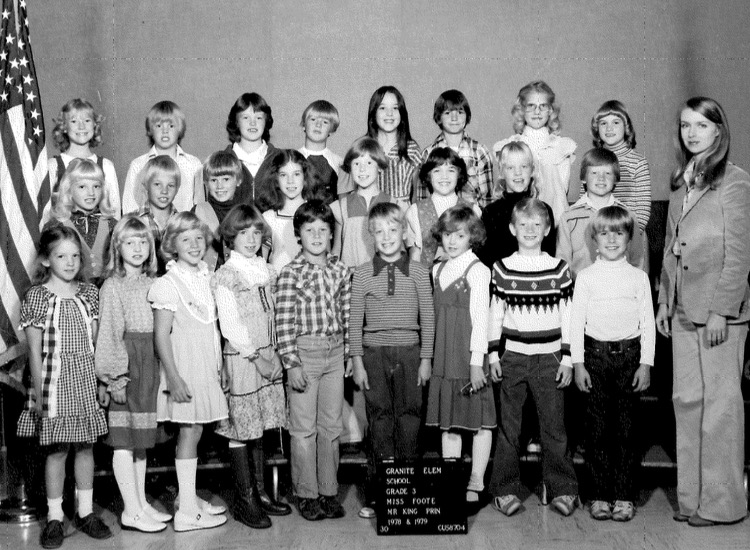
x=239, y=218
x=387, y=211
x=613, y=218
x=60, y=133
x=613, y=107
x=403, y=134
x=177, y=224
x=451, y=100
x=518, y=111
x=160, y=166
x=130, y=226
x=311, y=211
x=365, y=146
x=166, y=111
x=710, y=167
x=310, y=190
x=244, y=102
x=531, y=208
x=438, y=157
x=515, y=148
x=322, y=108
x=599, y=156
x=222, y=163
x=457, y=217
x=79, y=170
x=51, y=236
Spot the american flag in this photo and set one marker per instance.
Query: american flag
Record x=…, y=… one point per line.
x=24, y=182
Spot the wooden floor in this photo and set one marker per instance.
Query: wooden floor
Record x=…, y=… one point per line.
x=535, y=526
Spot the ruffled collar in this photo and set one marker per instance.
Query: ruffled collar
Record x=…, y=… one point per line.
x=536, y=138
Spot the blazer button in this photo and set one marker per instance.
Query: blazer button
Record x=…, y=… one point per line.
x=684, y=267
x=683, y=244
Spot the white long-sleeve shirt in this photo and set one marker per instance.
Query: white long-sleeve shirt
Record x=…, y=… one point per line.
x=612, y=302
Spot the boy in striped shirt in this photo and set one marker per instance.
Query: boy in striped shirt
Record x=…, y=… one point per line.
x=530, y=305
x=392, y=328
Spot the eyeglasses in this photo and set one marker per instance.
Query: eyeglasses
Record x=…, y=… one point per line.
x=543, y=107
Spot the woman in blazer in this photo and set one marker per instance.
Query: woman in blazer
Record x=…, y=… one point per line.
x=704, y=294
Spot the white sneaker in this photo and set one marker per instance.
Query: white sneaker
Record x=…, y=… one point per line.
x=156, y=515
x=141, y=522
x=189, y=522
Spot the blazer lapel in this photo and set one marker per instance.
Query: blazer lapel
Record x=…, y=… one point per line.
x=697, y=195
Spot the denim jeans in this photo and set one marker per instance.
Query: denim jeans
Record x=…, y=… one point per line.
x=535, y=374
x=315, y=416
x=394, y=401
x=611, y=442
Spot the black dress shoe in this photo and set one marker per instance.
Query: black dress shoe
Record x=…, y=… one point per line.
x=52, y=535
x=93, y=526
x=273, y=507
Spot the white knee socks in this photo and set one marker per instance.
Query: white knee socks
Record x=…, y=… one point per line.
x=186, y=470
x=451, y=443
x=125, y=474
x=480, y=455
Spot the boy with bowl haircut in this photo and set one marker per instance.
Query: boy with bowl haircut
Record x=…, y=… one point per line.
x=165, y=128
x=313, y=294
x=530, y=305
x=452, y=114
x=320, y=120
x=612, y=339
x=392, y=328
x=600, y=172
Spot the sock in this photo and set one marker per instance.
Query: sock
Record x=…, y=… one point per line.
x=480, y=455
x=55, y=510
x=234, y=444
x=186, y=470
x=85, y=498
x=451, y=443
x=124, y=468
x=140, y=481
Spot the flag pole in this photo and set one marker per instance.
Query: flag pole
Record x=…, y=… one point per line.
x=14, y=508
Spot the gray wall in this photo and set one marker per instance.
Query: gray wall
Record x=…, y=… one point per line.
x=125, y=55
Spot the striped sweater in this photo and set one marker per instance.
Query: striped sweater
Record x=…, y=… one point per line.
x=530, y=304
x=634, y=187
x=392, y=306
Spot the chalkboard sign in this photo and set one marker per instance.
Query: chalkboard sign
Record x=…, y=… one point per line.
x=422, y=497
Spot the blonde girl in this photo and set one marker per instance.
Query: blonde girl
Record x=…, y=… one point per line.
x=188, y=344
x=536, y=121
x=517, y=181
x=82, y=203
x=78, y=130
x=127, y=367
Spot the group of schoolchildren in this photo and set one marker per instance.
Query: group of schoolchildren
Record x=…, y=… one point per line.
x=281, y=273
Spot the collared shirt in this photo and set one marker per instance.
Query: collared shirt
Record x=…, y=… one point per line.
x=134, y=195
x=311, y=300
x=478, y=188
x=147, y=217
x=396, y=179
x=392, y=306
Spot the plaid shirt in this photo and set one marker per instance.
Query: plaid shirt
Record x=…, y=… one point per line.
x=311, y=300
x=479, y=164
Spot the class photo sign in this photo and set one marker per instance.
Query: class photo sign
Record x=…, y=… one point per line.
x=421, y=497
